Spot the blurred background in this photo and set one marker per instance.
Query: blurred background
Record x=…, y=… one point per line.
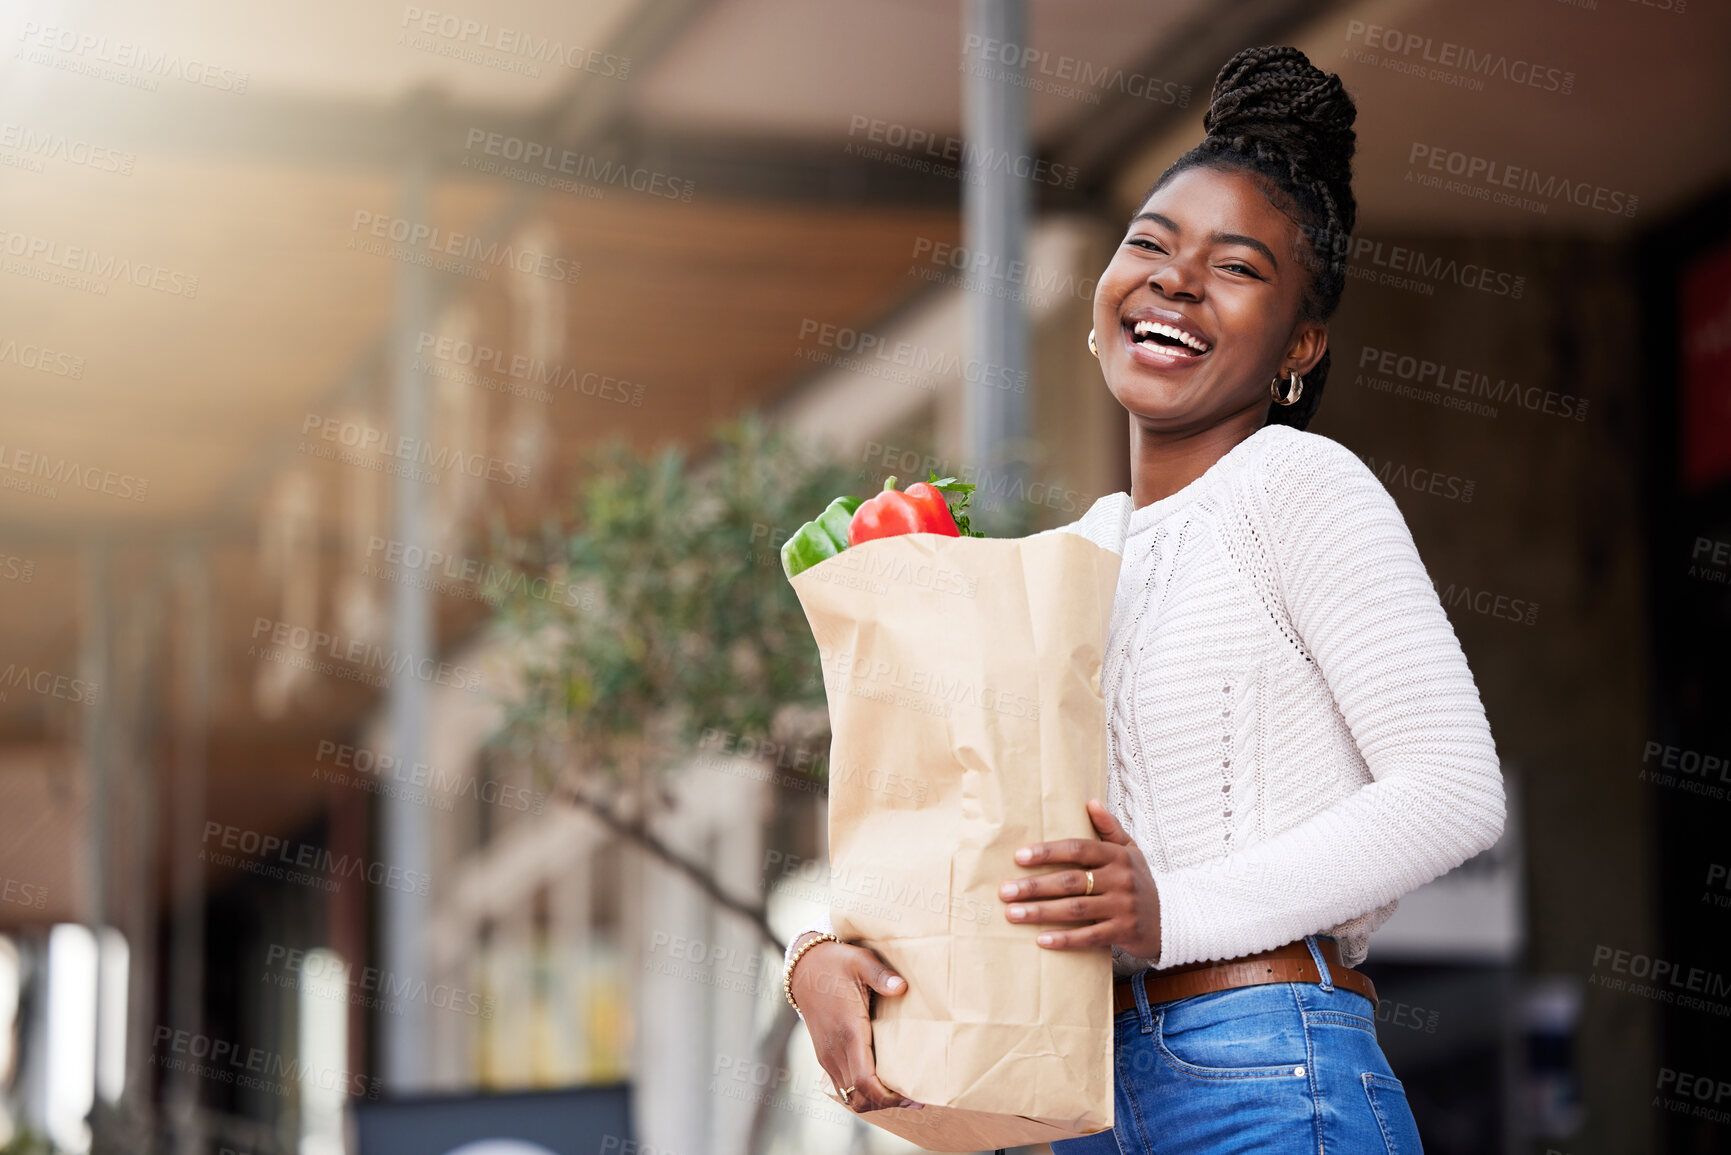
x=408, y=741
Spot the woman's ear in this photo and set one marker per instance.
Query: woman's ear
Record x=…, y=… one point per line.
x=1309, y=343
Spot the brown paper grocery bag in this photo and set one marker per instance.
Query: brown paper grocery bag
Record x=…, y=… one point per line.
x=963, y=677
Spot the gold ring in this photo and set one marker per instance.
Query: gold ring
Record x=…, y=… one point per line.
x=847, y=1093
x=1089, y=874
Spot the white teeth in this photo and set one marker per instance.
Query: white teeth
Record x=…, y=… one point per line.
x=1149, y=328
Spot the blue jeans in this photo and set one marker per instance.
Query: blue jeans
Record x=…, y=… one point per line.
x=1284, y=1067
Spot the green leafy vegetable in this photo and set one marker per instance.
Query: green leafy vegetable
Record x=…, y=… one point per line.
x=958, y=506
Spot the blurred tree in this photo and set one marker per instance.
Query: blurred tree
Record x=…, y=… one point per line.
x=661, y=611
x=24, y=1141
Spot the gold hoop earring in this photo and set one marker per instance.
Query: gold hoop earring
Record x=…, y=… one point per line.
x=1292, y=397
x=1093, y=348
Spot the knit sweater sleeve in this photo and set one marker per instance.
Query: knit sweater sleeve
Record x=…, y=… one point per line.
x=1366, y=613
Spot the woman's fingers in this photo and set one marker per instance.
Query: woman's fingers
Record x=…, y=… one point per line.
x=836, y=1000
x=1061, y=883
x=834, y=1003
x=1099, y=934
x=870, y=1094
x=1109, y=827
x=1076, y=851
x=1072, y=909
x=1105, y=883
x=880, y=978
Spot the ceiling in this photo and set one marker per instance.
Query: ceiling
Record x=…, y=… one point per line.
x=332, y=48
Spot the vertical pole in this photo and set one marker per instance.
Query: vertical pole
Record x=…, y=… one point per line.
x=192, y=729
x=405, y=828
x=95, y=668
x=995, y=210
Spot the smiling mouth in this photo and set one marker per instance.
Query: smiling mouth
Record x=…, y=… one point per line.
x=1168, y=339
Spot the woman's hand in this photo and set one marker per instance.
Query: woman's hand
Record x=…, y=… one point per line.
x=833, y=984
x=1123, y=908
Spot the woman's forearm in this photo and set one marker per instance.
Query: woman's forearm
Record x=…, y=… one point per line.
x=819, y=925
x=1368, y=849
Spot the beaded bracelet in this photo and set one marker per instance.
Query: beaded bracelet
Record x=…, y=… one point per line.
x=787, y=975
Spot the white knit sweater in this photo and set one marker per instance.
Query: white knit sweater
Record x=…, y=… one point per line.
x=1295, y=739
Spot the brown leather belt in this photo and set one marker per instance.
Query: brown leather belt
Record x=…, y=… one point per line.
x=1284, y=964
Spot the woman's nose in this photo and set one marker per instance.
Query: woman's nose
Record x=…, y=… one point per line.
x=1176, y=278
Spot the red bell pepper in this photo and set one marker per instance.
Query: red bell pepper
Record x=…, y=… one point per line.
x=918, y=509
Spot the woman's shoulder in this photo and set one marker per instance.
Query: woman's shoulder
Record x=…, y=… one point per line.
x=1284, y=452
x=1105, y=523
x=1300, y=486
x=1293, y=468
x=1274, y=479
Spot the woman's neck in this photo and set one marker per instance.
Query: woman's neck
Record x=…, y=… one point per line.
x=1163, y=463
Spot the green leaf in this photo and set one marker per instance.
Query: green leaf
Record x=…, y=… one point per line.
x=959, y=506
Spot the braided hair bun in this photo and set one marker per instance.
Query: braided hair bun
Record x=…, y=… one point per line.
x=1275, y=96
x=1274, y=113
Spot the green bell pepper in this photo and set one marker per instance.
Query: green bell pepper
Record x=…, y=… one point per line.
x=820, y=539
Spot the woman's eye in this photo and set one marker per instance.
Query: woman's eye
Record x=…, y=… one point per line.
x=1239, y=267
x=1145, y=243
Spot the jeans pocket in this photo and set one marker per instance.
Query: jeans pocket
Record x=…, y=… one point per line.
x=1393, y=1114
x=1245, y=1033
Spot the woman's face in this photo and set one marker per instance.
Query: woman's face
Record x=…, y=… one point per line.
x=1210, y=256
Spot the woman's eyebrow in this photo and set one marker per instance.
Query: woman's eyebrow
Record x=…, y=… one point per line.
x=1215, y=238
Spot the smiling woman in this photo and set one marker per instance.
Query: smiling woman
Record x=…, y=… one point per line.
x=1225, y=281
x=1295, y=738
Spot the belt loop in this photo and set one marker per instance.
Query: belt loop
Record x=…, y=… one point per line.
x=1139, y=986
x=1321, y=963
